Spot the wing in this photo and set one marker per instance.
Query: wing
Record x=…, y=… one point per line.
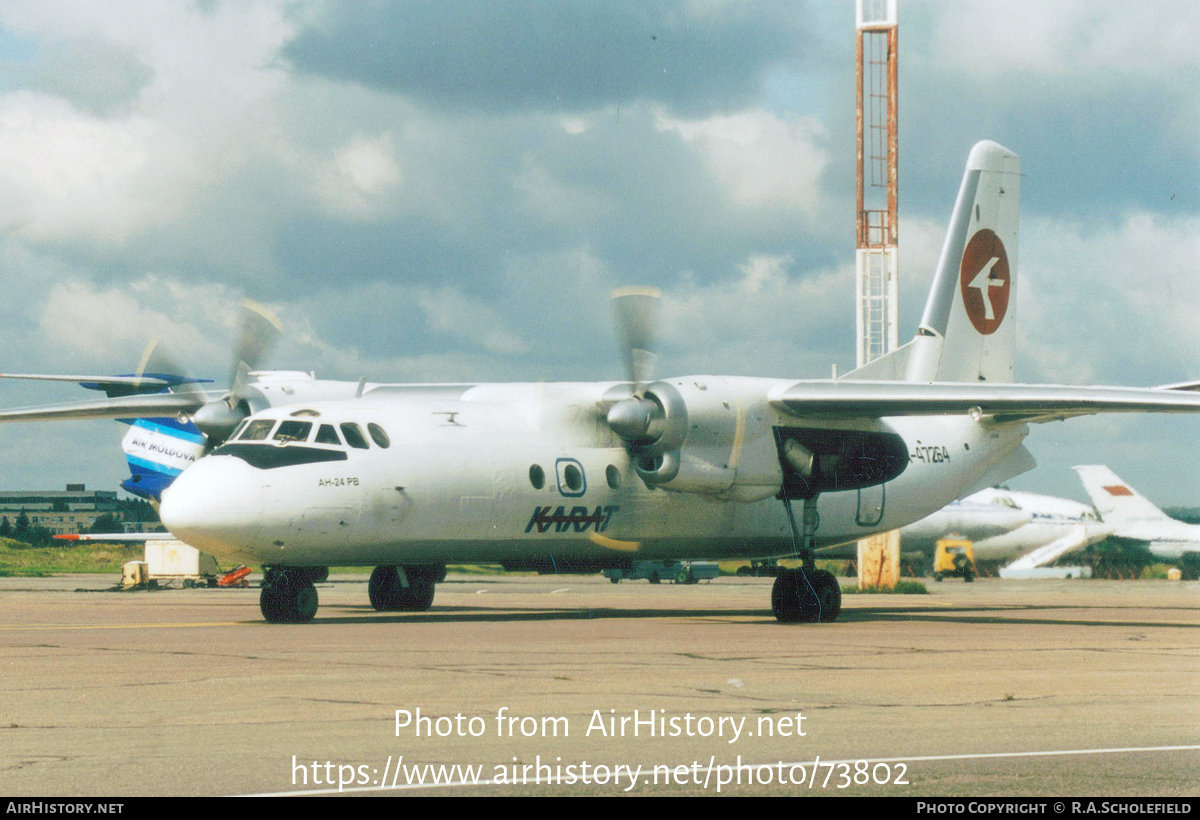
x=1001, y=402
x=154, y=405
x=136, y=537
x=130, y=381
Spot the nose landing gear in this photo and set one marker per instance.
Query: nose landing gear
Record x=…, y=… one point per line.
x=288, y=595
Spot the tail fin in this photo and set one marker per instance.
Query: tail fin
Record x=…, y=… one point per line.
x=1117, y=502
x=968, y=332
x=158, y=450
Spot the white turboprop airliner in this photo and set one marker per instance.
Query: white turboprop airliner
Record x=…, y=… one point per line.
x=565, y=477
x=1134, y=518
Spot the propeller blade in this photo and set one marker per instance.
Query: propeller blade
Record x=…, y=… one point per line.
x=636, y=313
x=258, y=332
x=155, y=360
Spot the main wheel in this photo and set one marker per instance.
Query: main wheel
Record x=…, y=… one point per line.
x=800, y=597
x=389, y=594
x=829, y=595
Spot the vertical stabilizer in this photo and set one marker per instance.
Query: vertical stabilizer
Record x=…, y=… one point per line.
x=157, y=451
x=1117, y=502
x=968, y=331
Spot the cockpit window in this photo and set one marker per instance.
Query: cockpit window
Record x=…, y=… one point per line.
x=327, y=435
x=354, y=436
x=239, y=429
x=378, y=435
x=257, y=430
x=293, y=431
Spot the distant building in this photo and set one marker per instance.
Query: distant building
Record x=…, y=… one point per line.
x=61, y=512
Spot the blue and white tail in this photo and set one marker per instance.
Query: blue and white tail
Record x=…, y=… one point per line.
x=157, y=451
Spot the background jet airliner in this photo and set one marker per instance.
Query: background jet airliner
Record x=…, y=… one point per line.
x=1133, y=517
x=585, y=476
x=1028, y=529
x=1056, y=527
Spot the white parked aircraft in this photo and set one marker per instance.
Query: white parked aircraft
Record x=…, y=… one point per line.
x=1027, y=529
x=1134, y=518
x=583, y=476
x=1057, y=526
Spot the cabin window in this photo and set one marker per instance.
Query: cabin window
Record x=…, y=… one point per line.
x=327, y=435
x=537, y=477
x=354, y=437
x=571, y=482
x=257, y=430
x=378, y=435
x=613, y=475
x=293, y=431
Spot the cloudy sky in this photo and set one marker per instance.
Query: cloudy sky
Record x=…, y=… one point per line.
x=440, y=190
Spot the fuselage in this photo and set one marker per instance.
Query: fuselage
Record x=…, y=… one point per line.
x=1006, y=524
x=527, y=473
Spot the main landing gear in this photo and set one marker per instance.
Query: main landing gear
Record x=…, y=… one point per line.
x=289, y=595
x=806, y=594
x=404, y=588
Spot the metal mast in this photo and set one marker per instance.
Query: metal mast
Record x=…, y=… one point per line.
x=876, y=260
x=876, y=282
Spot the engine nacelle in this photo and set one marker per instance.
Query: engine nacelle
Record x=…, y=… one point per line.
x=711, y=439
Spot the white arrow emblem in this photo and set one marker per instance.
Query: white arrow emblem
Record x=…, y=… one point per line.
x=983, y=283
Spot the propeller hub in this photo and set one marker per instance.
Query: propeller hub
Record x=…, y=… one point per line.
x=217, y=419
x=637, y=420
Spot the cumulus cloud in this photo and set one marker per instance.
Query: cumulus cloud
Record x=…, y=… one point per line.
x=762, y=160
x=1069, y=35
x=359, y=177
x=510, y=55
x=1111, y=304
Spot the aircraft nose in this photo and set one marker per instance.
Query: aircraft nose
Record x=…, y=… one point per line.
x=214, y=504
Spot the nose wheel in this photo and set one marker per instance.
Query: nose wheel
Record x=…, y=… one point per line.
x=288, y=596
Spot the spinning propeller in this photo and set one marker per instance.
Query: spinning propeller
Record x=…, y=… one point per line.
x=638, y=418
x=652, y=421
x=140, y=396
x=258, y=332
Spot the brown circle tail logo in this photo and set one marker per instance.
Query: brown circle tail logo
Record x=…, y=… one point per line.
x=984, y=281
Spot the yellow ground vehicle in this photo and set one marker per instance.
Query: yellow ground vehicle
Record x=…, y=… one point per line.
x=954, y=556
